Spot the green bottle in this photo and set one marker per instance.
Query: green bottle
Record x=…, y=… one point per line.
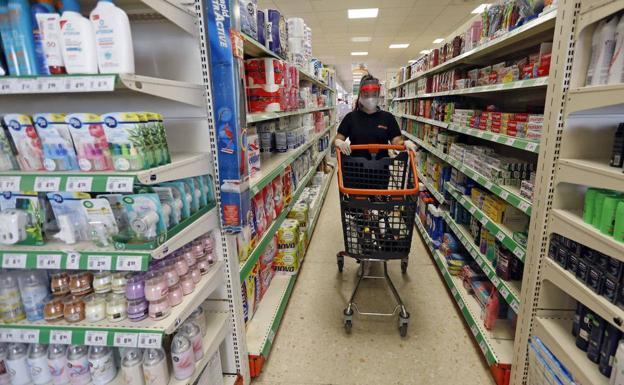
x=618, y=227
x=588, y=207
x=607, y=218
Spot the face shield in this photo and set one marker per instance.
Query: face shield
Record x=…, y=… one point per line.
x=369, y=97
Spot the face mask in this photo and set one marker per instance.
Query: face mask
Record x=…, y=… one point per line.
x=369, y=104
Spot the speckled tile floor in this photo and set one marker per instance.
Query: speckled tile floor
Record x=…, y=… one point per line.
x=312, y=348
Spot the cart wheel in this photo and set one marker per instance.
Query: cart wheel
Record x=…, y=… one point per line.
x=340, y=259
x=404, y=266
x=348, y=325
x=403, y=330
x=403, y=321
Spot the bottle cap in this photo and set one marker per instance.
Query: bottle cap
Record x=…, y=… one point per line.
x=69, y=6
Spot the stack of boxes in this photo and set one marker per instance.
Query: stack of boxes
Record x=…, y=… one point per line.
x=499, y=211
x=522, y=125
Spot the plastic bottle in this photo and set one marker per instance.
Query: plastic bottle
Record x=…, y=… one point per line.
x=47, y=34
x=618, y=226
x=113, y=38
x=78, y=40
x=23, y=41
x=607, y=46
x=595, y=52
x=491, y=310
x=616, y=66
x=6, y=40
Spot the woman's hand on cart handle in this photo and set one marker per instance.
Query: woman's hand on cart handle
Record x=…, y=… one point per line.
x=344, y=147
x=410, y=145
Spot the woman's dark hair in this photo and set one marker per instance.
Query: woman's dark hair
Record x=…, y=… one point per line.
x=366, y=79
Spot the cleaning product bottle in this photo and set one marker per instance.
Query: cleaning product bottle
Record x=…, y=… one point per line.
x=616, y=67
x=617, y=155
x=6, y=36
x=595, y=52
x=47, y=33
x=113, y=38
x=78, y=40
x=23, y=41
x=618, y=226
x=607, y=46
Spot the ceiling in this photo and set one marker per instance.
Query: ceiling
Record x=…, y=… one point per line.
x=417, y=22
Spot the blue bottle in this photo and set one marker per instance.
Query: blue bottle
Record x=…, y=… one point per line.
x=6, y=35
x=24, y=43
x=40, y=55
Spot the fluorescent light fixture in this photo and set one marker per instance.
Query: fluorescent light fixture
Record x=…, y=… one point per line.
x=361, y=39
x=363, y=13
x=411, y=61
x=398, y=45
x=425, y=51
x=359, y=53
x=480, y=8
x=438, y=40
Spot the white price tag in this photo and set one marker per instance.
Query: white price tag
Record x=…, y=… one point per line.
x=73, y=260
x=523, y=206
x=472, y=209
x=48, y=261
x=11, y=335
x=484, y=221
x=483, y=347
x=30, y=336
x=474, y=329
x=500, y=236
x=518, y=252
x=25, y=86
x=99, y=262
x=103, y=83
x=480, y=262
x=98, y=338
x=515, y=305
x=79, y=84
x=126, y=340
x=119, y=184
x=510, y=141
x=531, y=146
x=504, y=194
x=7, y=86
x=150, y=340
x=61, y=337
x=461, y=305
x=51, y=84
x=495, y=281
x=454, y=291
x=14, y=261
x=79, y=183
x=504, y=292
x=480, y=134
x=495, y=138
x=10, y=183
x=488, y=185
x=129, y=263
x=47, y=183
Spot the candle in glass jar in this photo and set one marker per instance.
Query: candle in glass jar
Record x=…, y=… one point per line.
x=135, y=286
x=186, y=281
x=102, y=282
x=137, y=309
x=95, y=307
x=175, y=295
x=159, y=309
x=59, y=283
x=80, y=283
x=156, y=286
x=73, y=309
x=53, y=309
x=118, y=282
x=116, y=307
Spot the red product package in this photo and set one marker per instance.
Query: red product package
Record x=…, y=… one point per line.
x=512, y=128
x=261, y=100
x=259, y=213
x=269, y=204
x=264, y=71
x=287, y=184
x=278, y=195
x=521, y=116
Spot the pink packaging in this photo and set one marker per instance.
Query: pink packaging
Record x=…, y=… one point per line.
x=278, y=195
x=264, y=71
x=258, y=207
x=269, y=204
x=287, y=185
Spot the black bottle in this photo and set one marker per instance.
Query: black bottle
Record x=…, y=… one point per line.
x=617, y=156
x=612, y=336
x=585, y=327
x=595, y=338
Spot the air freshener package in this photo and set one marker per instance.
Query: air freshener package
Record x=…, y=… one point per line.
x=172, y=207
x=21, y=219
x=117, y=207
x=126, y=142
x=90, y=142
x=26, y=141
x=203, y=193
x=71, y=220
x=58, y=147
x=8, y=161
x=179, y=193
x=189, y=187
x=145, y=215
x=207, y=182
x=160, y=135
x=147, y=140
x=102, y=224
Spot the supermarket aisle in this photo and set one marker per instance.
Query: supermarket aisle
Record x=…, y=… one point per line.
x=312, y=348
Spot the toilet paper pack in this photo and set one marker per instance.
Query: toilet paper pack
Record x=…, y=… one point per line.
x=277, y=35
x=248, y=17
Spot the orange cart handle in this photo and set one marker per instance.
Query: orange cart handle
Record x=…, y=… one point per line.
x=355, y=191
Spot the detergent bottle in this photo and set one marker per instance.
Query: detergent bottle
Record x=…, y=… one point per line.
x=78, y=41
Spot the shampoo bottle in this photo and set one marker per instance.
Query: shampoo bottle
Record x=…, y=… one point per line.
x=595, y=52
x=113, y=38
x=47, y=33
x=607, y=46
x=23, y=41
x=78, y=40
x=616, y=67
x=6, y=37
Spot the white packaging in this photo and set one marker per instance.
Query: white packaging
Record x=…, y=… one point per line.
x=78, y=42
x=616, y=67
x=607, y=46
x=50, y=27
x=113, y=39
x=213, y=374
x=595, y=52
x=296, y=27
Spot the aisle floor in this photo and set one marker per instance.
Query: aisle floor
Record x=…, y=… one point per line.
x=312, y=348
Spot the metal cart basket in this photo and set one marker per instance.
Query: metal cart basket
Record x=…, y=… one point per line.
x=377, y=206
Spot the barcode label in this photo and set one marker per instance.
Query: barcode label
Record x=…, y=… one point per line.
x=500, y=236
x=531, y=146
x=518, y=252
x=47, y=183
x=96, y=338
x=30, y=336
x=79, y=183
x=472, y=209
x=504, y=194
x=48, y=261
x=504, y=292
x=119, y=184
x=515, y=305
x=61, y=337
x=523, y=206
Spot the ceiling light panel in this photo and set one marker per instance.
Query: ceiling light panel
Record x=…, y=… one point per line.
x=361, y=39
x=362, y=13
x=480, y=8
x=399, y=45
x=438, y=40
x=359, y=53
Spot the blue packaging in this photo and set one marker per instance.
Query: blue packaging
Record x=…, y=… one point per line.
x=248, y=17
x=261, y=26
x=277, y=35
x=226, y=72
x=23, y=40
x=40, y=56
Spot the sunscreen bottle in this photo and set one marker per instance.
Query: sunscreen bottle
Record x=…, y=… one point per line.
x=113, y=38
x=78, y=40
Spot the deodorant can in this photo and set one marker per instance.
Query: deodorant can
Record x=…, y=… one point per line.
x=191, y=331
x=38, y=364
x=182, y=356
x=155, y=369
x=102, y=365
x=17, y=365
x=131, y=368
x=57, y=363
x=78, y=365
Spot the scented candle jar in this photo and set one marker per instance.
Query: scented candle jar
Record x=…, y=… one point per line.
x=195, y=273
x=186, y=281
x=181, y=265
x=137, y=309
x=80, y=283
x=73, y=309
x=95, y=307
x=159, y=309
x=175, y=295
x=208, y=243
x=197, y=249
x=156, y=287
x=189, y=257
x=135, y=286
x=118, y=282
x=203, y=264
x=170, y=272
x=53, y=309
x=116, y=307
x=59, y=284
x=102, y=282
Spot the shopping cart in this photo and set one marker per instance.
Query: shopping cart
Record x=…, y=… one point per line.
x=377, y=205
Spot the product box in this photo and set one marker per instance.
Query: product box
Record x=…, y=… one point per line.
x=26, y=141
x=287, y=259
x=226, y=70
x=248, y=17
x=58, y=147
